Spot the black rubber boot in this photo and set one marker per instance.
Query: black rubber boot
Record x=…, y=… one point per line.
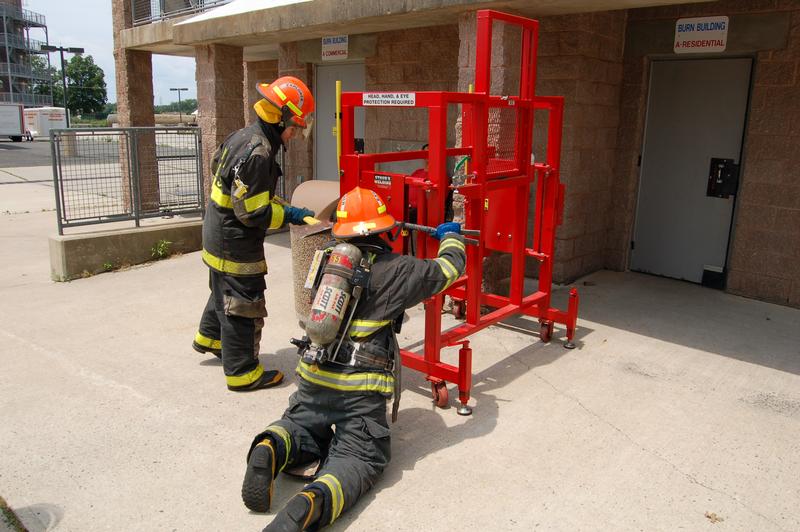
x=302, y=511
x=202, y=349
x=259, y=477
x=268, y=379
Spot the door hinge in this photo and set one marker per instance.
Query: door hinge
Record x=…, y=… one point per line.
x=639, y=161
x=633, y=244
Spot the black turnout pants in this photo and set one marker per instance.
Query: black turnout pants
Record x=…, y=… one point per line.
x=354, y=456
x=235, y=314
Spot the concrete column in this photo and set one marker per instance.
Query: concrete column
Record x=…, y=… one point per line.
x=134, y=77
x=256, y=72
x=219, y=74
x=299, y=158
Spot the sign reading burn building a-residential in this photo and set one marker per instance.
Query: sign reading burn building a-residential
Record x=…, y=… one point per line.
x=334, y=48
x=701, y=35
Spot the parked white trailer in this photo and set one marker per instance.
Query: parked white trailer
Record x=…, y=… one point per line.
x=40, y=120
x=11, y=121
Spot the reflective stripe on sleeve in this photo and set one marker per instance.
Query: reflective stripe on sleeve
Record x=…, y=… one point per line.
x=256, y=202
x=448, y=270
x=450, y=243
x=278, y=214
x=347, y=382
x=248, y=378
x=337, y=495
x=233, y=267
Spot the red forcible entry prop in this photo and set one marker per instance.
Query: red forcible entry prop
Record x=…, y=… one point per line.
x=497, y=137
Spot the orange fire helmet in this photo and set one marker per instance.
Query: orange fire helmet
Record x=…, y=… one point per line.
x=361, y=212
x=292, y=97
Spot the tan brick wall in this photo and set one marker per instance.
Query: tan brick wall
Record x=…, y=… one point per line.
x=418, y=59
x=764, y=260
x=256, y=72
x=219, y=72
x=765, y=255
x=298, y=163
x=580, y=58
x=134, y=79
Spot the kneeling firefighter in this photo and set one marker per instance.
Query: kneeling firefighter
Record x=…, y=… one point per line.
x=346, y=376
x=241, y=208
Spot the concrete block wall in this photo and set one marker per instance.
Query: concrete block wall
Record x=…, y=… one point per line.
x=417, y=59
x=219, y=73
x=299, y=157
x=764, y=258
x=580, y=58
x=256, y=72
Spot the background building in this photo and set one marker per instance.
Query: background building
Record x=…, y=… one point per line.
x=17, y=47
x=645, y=123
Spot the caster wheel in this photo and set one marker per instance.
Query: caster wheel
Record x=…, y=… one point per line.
x=459, y=309
x=439, y=394
x=546, y=331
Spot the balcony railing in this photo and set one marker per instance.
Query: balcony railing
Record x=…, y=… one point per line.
x=29, y=17
x=147, y=11
x=21, y=71
x=18, y=41
x=26, y=98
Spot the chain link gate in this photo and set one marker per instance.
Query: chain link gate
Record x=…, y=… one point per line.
x=103, y=175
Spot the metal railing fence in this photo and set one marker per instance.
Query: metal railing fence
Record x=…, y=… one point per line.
x=26, y=98
x=30, y=17
x=105, y=175
x=147, y=11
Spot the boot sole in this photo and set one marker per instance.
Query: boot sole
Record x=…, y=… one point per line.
x=257, y=485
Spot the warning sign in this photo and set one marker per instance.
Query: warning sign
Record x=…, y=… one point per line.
x=701, y=35
x=334, y=48
x=405, y=99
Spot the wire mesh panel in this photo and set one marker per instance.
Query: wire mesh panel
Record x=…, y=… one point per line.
x=502, y=129
x=105, y=175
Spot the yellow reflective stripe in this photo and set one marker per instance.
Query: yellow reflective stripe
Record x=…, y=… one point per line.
x=248, y=378
x=205, y=341
x=362, y=328
x=296, y=110
x=353, y=382
x=448, y=270
x=219, y=197
x=278, y=214
x=233, y=267
x=451, y=243
x=337, y=495
x=256, y=202
x=287, y=441
x=382, y=209
x=341, y=214
x=221, y=161
x=279, y=92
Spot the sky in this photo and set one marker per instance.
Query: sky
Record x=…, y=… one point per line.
x=87, y=24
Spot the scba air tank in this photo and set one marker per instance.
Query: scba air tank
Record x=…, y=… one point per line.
x=333, y=295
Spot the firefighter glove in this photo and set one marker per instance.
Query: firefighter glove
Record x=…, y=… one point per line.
x=447, y=227
x=295, y=215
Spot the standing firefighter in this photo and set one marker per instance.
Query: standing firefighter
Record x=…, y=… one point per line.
x=241, y=208
x=345, y=384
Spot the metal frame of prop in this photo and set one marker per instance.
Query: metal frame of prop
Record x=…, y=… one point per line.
x=496, y=201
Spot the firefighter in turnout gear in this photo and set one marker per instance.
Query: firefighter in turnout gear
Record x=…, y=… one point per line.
x=241, y=207
x=346, y=384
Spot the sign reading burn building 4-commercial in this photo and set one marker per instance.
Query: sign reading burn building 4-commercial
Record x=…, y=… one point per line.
x=701, y=35
x=334, y=48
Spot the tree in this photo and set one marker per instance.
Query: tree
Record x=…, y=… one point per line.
x=46, y=75
x=86, y=86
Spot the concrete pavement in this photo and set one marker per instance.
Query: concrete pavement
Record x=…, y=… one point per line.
x=679, y=410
